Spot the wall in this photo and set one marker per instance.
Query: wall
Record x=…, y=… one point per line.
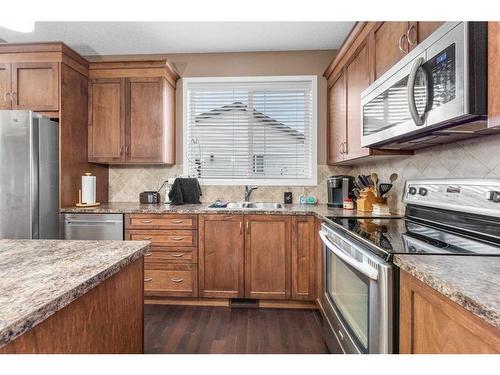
x=478, y=157
x=126, y=182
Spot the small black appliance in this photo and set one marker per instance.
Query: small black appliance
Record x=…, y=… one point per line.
x=339, y=188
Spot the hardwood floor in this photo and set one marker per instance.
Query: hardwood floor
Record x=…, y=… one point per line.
x=202, y=330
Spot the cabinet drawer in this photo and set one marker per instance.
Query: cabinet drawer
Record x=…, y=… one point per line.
x=159, y=221
x=178, y=280
x=171, y=255
x=178, y=238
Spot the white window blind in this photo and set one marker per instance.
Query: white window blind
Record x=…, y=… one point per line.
x=250, y=130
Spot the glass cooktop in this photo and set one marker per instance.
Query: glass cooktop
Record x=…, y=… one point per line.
x=389, y=236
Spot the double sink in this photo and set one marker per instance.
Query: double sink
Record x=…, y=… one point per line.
x=254, y=205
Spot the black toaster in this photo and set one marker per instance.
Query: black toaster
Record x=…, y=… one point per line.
x=150, y=197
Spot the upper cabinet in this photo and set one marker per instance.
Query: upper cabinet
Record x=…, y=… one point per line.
x=52, y=79
x=369, y=51
x=391, y=41
x=30, y=85
x=132, y=113
x=390, y=44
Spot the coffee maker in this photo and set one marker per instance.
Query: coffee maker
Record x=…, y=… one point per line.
x=339, y=188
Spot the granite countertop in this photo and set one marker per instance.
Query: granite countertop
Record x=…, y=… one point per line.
x=319, y=210
x=471, y=282
x=40, y=277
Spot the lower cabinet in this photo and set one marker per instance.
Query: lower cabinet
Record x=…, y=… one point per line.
x=430, y=323
x=170, y=266
x=221, y=260
x=257, y=256
x=267, y=257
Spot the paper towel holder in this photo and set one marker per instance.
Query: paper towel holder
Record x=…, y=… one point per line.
x=80, y=203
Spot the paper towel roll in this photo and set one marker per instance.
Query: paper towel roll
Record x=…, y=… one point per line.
x=88, y=189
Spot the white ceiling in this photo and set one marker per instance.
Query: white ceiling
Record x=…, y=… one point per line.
x=109, y=38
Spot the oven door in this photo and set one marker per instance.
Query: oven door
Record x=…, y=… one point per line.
x=358, y=300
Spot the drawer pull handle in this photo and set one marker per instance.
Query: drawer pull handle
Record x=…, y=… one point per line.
x=178, y=255
x=148, y=254
x=146, y=221
x=148, y=279
x=177, y=238
x=176, y=221
x=147, y=238
x=177, y=280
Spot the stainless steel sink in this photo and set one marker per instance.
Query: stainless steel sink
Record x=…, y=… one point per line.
x=255, y=205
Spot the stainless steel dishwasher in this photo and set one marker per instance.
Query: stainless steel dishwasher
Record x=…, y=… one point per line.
x=93, y=227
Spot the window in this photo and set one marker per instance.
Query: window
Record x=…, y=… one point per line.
x=250, y=130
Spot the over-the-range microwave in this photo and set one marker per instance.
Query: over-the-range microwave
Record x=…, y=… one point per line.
x=436, y=94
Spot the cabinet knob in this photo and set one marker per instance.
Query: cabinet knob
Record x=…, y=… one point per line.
x=148, y=279
x=493, y=196
x=177, y=280
x=9, y=95
x=13, y=96
x=178, y=255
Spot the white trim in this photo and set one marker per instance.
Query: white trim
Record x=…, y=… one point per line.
x=313, y=181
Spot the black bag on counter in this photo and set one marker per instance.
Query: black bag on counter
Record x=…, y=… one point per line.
x=184, y=191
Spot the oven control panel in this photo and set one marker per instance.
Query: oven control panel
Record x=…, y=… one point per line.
x=481, y=196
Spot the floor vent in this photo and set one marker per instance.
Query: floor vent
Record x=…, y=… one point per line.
x=243, y=302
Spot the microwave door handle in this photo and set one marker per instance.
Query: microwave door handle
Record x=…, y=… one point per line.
x=361, y=267
x=411, y=91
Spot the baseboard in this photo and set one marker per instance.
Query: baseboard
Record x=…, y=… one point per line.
x=225, y=302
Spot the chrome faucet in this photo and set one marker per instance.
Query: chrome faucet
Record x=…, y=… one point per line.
x=248, y=192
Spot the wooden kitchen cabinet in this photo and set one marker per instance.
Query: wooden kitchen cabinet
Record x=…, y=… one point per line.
x=357, y=79
x=337, y=120
x=132, y=113
x=303, y=257
x=390, y=44
x=170, y=266
x=493, y=74
x=30, y=85
x=106, y=130
x=430, y=323
x=5, y=87
x=221, y=256
x=267, y=256
x=354, y=68
x=52, y=79
x=420, y=30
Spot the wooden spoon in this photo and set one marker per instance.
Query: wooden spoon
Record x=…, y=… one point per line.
x=374, y=178
x=393, y=177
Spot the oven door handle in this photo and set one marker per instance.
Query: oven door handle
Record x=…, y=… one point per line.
x=364, y=268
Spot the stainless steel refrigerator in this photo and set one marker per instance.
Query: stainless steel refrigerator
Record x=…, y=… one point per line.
x=29, y=176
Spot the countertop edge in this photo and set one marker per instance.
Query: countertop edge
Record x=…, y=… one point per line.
x=27, y=322
x=470, y=304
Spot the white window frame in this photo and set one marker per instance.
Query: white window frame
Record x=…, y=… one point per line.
x=312, y=181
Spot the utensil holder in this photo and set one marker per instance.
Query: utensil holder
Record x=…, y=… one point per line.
x=367, y=198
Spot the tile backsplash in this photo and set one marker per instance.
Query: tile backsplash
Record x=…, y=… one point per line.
x=126, y=182
x=478, y=157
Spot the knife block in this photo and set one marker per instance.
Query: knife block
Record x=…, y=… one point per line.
x=366, y=199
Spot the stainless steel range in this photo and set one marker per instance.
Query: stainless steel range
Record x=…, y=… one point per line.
x=360, y=300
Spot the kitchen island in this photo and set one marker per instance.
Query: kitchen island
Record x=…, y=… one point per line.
x=71, y=296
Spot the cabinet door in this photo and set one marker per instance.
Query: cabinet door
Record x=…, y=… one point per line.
x=303, y=259
x=267, y=257
x=146, y=120
x=5, y=88
x=390, y=44
x=221, y=255
x=336, y=120
x=493, y=74
x=357, y=79
x=106, y=120
x=419, y=31
x=430, y=323
x=35, y=86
